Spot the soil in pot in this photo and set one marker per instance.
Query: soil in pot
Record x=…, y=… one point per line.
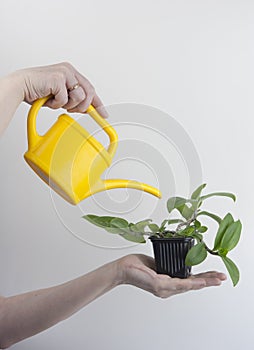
x=170, y=253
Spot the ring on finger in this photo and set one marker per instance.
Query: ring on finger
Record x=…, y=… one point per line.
x=74, y=87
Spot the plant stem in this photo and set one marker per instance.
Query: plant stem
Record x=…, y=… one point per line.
x=186, y=223
x=209, y=250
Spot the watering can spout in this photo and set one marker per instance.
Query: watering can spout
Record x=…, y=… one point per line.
x=119, y=183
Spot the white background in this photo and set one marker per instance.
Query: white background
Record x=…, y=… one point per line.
x=190, y=59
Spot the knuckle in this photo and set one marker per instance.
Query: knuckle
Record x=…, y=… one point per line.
x=65, y=68
x=74, y=98
x=66, y=64
x=77, y=97
x=179, y=287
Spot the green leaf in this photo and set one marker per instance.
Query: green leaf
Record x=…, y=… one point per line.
x=197, y=192
x=232, y=270
x=174, y=221
x=197, y=223
x=202, y=229
x=188, y=231
x=211, y=215
x=101, y=221
x=132, y=227
x=119, y=223
x=199, y=204
x=141, y=225
x=186, y=212
x=179, y=203
x=133, y=237
x=194, y=205
x=153, y=227
x=175, y=203
x=114, y=230
x=222, y=194
x=126, y=233
x=231, y=236
x=168, y=235
x=227, y=220
x=163, y=225
x=197, y=236
x=118, y=226
x=196, y=254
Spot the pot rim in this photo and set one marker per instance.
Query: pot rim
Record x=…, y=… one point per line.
x=154, y=238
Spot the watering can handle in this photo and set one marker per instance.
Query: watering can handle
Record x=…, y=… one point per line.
x=107, y=128
x=34, y=137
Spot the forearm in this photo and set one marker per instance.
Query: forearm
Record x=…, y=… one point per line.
x=24, y=315
x=11, y=95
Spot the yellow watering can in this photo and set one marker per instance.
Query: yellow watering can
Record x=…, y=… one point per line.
x=70, y=160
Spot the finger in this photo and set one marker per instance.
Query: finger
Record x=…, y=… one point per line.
x=215, y=274
x=82, y=107
x=89, y=92
x=188, y=285
x=76, y=96
x=59, y=100
x=212, y=282
x=184, y=285
x=98, y=104
x=198, y=283
x=177, y=285
x=95, y=101
x=210, y=273
x=74, y=91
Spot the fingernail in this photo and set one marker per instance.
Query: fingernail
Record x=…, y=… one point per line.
x=223, y=277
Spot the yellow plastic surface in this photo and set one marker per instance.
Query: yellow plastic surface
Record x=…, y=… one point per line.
x=70, y=160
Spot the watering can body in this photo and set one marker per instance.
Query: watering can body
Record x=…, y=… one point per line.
x=70, y=160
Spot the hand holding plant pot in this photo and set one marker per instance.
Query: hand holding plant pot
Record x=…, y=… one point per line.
x=179, y=242
x=139, y=270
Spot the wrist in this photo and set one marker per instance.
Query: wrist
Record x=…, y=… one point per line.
x=123, y=266
x=119, y=271
x=16, y=80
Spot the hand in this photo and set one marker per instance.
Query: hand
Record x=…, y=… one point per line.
x=139, y=270
x=71, y=89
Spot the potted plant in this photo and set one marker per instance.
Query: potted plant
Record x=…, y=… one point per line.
x=178, y=242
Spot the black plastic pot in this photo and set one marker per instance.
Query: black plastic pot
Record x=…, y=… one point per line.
x=170, y=253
